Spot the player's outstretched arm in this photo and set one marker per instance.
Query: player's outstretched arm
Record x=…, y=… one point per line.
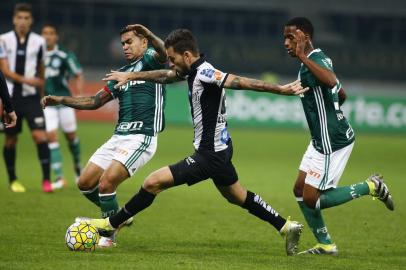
x=80, y=103
x=160, y=76
x=155, y=41
x=243, y=83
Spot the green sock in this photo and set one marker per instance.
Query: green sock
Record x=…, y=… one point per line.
x=342, y=195
x=74, y=148
x=108, y=204
x=316, y=223
x=56, y=159
x=92, y=195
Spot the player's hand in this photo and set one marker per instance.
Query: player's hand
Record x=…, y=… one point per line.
x=10, y=119
x=121, y=78
x=50, y=101
x=139, y=29
x=293, y=88
x=300, y=43
x=34, y=81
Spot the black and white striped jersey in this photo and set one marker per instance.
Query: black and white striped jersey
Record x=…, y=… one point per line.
x=208, y=106
x=23, y=59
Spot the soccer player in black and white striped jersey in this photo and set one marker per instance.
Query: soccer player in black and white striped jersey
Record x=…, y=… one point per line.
x=21, y=61
x=212, y=142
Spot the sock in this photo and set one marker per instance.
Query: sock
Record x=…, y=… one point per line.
x=108, y=204
x=92, y=195
x=44, y=158
x=261, y=209
x=316, y=223
x=136, y=204
x=74, y=147
x=342, y=195
x=56, y=159
x=9, y=155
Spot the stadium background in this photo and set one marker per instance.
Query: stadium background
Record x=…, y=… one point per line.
x=365, y=40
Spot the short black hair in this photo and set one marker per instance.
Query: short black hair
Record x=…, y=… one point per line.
x=182, y=40
x=48, y=24
x=303, y=24
x=126, y=29
x=25, y=7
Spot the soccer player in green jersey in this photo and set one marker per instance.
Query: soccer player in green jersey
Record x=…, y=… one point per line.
x=60, y=65
x=141, y=118
x=332, y=139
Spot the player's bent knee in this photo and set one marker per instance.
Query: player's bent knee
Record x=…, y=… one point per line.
x=298, y=191
x=153, y=184
x=84, y=185
x=106, y=187
x=310, y=201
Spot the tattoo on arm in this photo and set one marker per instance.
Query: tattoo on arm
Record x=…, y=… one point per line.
x=87, y=103
x=235, y=83
x=160, y=76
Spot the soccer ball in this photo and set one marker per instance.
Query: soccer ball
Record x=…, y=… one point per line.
x=81, y=236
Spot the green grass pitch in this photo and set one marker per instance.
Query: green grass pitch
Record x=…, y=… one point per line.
x=194, y=227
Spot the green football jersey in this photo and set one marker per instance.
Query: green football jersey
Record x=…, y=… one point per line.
x=141, y=103
x=59, y=66
x=328, y=126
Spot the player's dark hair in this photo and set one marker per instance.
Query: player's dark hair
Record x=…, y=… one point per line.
x=182, y=40
x=48, y=24
x=23, y=7
x=303, y=24
x=125, y=29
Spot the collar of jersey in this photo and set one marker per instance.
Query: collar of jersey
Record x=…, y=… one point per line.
x=197, y=63
x=314, y=51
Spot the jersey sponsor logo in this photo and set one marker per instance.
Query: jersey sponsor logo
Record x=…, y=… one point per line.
x=314, y=174
x=129, y=84
x=130, y=126
x=121, y=151
x=190, y=160
x=208, y=72
x=56, y=63
x=50, y=72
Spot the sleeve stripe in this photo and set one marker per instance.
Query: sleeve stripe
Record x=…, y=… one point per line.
x=224, y=81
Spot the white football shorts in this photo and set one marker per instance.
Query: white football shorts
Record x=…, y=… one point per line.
x=60, y=116
x=324, y=171
x=133, y=151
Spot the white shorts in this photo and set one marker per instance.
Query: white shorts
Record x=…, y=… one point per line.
x=324, y=171
x=133, y=151
x=60, y=116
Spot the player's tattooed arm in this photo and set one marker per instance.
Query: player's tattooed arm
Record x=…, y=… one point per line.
x=244, y=83
x=155, y=41
x=80, y=103
x=160, y=76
